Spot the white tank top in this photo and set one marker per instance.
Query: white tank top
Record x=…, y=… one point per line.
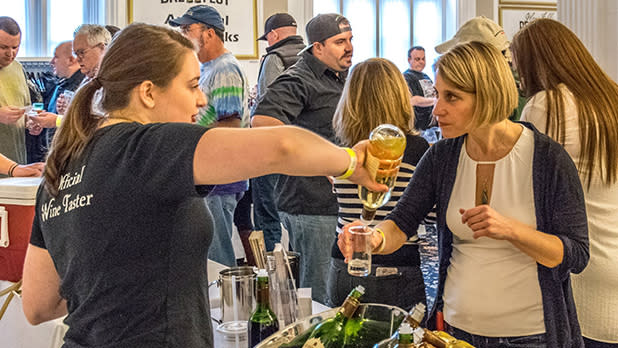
x=492, y=288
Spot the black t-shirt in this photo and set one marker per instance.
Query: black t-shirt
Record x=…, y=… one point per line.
x=419, y=84
x=129, y=233
x=305, y=95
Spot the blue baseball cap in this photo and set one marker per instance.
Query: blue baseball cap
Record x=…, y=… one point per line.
x=200, y=14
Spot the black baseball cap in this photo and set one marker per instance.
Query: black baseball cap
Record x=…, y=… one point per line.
x=323, y=26
x=200, y=14
x=277, y=20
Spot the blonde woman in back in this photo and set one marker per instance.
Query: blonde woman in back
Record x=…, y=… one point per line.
x=376, y=93
x=576, y=103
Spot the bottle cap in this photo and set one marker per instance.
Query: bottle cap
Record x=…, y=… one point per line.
x=262, y=273
x=418, y=312
x=418, y=335
x=360, y=289
x=405, y=329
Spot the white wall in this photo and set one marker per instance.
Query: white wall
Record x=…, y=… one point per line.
x=596, y=23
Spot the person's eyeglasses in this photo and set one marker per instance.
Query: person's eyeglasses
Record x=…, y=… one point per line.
x=185, y=29
x=82, y=52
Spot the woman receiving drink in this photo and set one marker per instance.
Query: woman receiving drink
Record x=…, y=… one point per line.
x=510, y=208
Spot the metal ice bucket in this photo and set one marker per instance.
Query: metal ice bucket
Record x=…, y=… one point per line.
x=391, y=315
x=237, y=294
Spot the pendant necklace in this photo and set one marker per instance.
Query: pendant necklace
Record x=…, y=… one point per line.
x=484, y=195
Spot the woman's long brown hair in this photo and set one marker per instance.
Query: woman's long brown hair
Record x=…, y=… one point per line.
x=548, y=54
x=374, y=93
x=139, y=53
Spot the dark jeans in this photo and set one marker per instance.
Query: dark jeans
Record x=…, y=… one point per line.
x=265, y=213
x=244, y=225
x=242, y=213
x=403, y=289
x=532, y=341
x=588, y=343
x=38, y=145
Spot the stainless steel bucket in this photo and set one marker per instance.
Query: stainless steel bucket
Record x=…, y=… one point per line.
x=237, y=294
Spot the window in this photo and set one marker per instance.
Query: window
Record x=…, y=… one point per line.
x=46, y=23
x=326, y=6
x=395, y=39
x=61, y=23
x=17, y=11
x=381, y=27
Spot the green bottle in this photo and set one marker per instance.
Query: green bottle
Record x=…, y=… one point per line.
x=330, y=333
x=263, y=321
x=362, y=332
x=405, y=339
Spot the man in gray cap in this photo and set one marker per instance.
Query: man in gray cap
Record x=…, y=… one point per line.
x=485, y=30
x=282, y=50
x=306, y=95
x=225, y=84
x=281, y=53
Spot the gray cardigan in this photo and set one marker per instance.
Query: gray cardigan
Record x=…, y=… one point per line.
x=559, y=207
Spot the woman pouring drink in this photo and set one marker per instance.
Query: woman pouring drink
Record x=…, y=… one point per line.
x=127, y=261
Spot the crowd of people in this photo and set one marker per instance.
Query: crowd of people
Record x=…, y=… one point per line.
x=149, y=158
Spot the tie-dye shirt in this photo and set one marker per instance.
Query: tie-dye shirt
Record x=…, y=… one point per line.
x=225, y=85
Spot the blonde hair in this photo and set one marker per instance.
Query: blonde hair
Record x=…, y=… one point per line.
x=548, y=54
x=374, y=93
x=480, y=69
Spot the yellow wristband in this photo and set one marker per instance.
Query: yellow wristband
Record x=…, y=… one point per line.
x=380, y=248
x=58, y=121
x=351, y=167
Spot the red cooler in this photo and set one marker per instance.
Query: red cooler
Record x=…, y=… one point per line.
x=17, y=197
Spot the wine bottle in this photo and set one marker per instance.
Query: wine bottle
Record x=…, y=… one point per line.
x=384, y=153
x=362, y=332
x=263, y=321
x=404, y=339
x=330, y=333
x=437, y=339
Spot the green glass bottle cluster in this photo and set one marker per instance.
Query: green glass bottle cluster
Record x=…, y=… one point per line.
x=346, y=329
x=263, y=321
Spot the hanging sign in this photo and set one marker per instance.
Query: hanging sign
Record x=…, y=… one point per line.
x=239, y=18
